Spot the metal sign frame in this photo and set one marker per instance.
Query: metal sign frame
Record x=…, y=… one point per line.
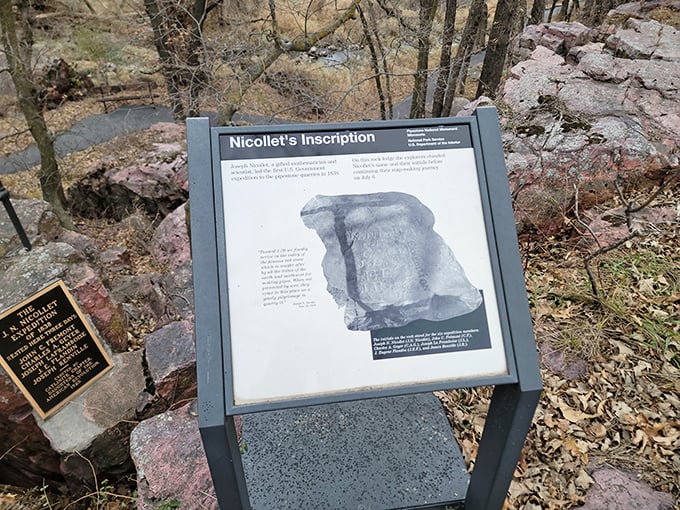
x=516, y=393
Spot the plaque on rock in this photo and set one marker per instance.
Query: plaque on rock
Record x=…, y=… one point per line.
x=384, y=262
x=49, y=349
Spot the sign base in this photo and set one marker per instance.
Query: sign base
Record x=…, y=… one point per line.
x=386, y=453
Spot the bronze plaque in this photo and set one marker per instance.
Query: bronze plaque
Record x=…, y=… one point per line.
x=49, y=350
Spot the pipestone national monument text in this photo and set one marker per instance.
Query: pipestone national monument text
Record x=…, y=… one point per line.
x=385, y=264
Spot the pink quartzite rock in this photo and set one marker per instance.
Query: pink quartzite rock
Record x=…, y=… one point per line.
x=95, y=300
x=28, y=272
x=27, y=459
x=155, y=186
x=171, y=358
x=171, y=463
x=618, y=490
x=580, y=114
x=30, y=212
x=170, y=241
x=97, y=423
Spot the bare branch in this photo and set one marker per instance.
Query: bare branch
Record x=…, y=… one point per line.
x=306, y=41
x=662, y=186
x=12, y=135
x=578, y=216
x=393, y=12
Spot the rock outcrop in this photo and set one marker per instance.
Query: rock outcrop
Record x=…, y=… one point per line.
x=585, y=111
x=89, y=436
x=157, y=185
x=171, y=439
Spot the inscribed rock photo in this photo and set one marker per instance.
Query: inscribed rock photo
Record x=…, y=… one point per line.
x=384, y=262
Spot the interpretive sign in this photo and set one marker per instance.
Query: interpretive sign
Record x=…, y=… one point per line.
x=49, y=349
x=357, y=259
x=338, y=263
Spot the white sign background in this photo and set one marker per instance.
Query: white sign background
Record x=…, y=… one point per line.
x=285, y=352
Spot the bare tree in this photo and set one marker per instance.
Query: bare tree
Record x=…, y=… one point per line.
x=428, y=8
x=17, y=43
x=563, y=15
x=537, y=12
x=280, y=43
x=445, y=58
x=178, y=36
x=595, y=10
x=473, y=24
x=372, y=41
x=499, y=39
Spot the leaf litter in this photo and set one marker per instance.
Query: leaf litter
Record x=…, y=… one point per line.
x=610, y=366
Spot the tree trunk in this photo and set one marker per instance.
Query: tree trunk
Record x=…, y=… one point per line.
x=426, y=17
x=596, y=11
x=374, y=63
x=198, y=77
x=472, y=25
x=445, y=58
x=480, y=37
x=564, y=9
x=537, y=12
x=499, y=38
x=520, y=18
x=50, y=179
x=383, y=60
x=168, y=65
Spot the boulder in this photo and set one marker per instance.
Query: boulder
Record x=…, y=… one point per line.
x=155, y=186
x=171, y=361
x=142, y=296
x=28, y=457
x=584, y=109
x=170, y=241
x=178, y=286
x=615, y=489
x=85, y=439
x=162, y=297
x=170, y=461
x=28, y=272
x=36, y=218
x=91, y=432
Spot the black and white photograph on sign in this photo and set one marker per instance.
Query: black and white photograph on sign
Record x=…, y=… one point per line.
x=356, y=260
x=384, y=264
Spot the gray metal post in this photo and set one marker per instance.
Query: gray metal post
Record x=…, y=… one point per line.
x=217, y=430
x=4, y=197
x=505, y=430
x=512, y=406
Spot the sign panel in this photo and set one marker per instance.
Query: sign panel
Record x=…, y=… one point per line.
x=357, y=260
x=49, y=349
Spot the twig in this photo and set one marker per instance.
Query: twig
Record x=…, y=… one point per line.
x=12, y=448
x=578, y=217
x=586, y=260
x=14, y=134
x=602, y=250
x=662, y=186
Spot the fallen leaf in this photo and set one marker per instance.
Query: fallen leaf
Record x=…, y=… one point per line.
x=573, y=415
